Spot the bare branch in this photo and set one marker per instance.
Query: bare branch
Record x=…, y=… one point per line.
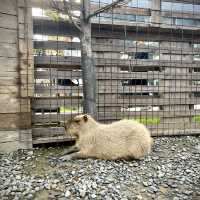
x=66, y=9
x=107, y=7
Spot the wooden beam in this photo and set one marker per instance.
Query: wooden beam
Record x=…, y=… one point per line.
x=15, y=121
x=113, y=45
x=8, y=21
x=52, y=140
x=15, y=139
x=50, y=27
x=56, y=61
x=13, y=104
x=52, y=118
x=8, y=7
x=106, y=101
x=57, y=45
x=49, y=4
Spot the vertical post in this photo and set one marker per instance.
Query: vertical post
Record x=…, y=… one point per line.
x=87, y=62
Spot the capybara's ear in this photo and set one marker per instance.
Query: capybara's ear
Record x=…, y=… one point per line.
x=85, y=118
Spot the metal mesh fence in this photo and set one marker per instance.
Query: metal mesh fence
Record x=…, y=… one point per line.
x=147, y=59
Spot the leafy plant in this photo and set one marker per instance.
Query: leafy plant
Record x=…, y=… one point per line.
x=52, y=14
x=64, y=109
x=148, y=120
x=196, y=118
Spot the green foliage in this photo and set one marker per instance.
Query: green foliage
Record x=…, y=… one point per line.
x=196, y=119
x=69, y=109
x=148, y=120
x=53, y=14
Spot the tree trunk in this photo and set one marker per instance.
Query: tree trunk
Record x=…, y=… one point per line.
x=87, y=63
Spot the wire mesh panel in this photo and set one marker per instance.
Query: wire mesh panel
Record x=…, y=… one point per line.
x=149, y=58
x=58, y=82
x=147, y=55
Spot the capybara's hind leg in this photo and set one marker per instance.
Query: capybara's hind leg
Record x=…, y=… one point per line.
x=72, y=149
x=136, y=151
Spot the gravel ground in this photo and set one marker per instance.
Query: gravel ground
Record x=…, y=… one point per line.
x=172, y=171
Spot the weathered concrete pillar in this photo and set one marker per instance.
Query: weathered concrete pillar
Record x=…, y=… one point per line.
x=16, y=75
x=155, y=12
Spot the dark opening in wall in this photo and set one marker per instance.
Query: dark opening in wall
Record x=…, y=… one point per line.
x=147, y=94
x=67, y=82
x=52, y=110
x=140, y=69
x=134, y=82
x=196, y=94
x=161, y=107
x=196, y=69
x=141, y=55
x=191, y=107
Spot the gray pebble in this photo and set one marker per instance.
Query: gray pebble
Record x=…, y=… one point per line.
x=145, y=184
x=67, y=193
x=82, y=193
x=169, y=170
x=93, y=196
x=29, y=196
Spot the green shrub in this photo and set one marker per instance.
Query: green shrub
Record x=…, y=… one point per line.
x=196, y=118
x=64, y=109
x=53, y=14
x=148, y=120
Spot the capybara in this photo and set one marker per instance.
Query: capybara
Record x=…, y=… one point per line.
x=124, y=139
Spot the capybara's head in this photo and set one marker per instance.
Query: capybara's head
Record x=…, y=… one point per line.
x=73, y=126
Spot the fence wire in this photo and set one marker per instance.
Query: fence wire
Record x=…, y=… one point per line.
x=147, y=59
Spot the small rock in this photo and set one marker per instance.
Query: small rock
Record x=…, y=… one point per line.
x=18, y=177
x=93, y=196
x=67, y=193
x=94, y=185
x=56, y=181
x=118, y=186
x=187, y=192
x=37, y=189
x=54, y=186
x=73, y=172
x=82, y=193
x=197, y=148
x=154, y=189
x=139, y=197
x=145, y=184
x=30, y=153
x=30, y=196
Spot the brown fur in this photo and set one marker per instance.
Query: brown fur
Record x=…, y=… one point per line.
x=125, y=139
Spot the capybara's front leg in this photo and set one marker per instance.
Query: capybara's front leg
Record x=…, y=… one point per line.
x=72, y=149
x=76, y=155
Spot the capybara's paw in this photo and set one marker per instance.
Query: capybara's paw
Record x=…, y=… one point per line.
x=65, y=158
